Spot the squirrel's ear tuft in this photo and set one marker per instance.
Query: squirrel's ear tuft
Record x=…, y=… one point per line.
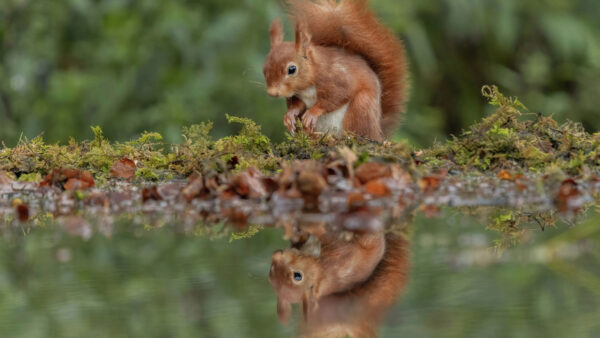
x=284, y=310
x=303, y=39
x=276, y=32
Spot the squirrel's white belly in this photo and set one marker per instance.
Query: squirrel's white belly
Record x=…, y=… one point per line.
x=330, y=122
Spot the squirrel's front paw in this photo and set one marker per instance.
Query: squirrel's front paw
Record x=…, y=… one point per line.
x=309, y=121
x=289, y=120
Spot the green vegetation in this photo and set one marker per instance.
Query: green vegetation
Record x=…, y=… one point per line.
x=507, y=139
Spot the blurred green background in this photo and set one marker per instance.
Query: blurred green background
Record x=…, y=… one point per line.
x=157, y=65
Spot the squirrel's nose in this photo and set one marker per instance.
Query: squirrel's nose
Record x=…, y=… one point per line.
x=273, y=92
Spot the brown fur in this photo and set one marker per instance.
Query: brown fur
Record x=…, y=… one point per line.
x=343, y=50
x=354, y=311
x=340, y=266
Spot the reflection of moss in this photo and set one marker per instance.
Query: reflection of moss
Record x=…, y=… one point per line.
x=249, y=233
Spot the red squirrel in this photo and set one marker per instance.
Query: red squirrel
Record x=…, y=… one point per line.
x=300, y=276
x=353, y=305
x=344, y=72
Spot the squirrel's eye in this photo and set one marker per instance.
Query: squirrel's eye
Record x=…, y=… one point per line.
x=292, y=70
x=297, y=276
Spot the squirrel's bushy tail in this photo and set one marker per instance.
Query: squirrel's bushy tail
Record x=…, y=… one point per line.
x=350, y=24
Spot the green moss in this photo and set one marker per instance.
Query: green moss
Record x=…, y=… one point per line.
x=99, y=139
x=146, y=174
x=249, y=138
x=197, y=138
x=510, y=139
x=148, y=138
x=32, y=177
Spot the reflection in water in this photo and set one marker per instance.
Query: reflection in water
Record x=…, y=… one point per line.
x=344, y=282
x=123, y=262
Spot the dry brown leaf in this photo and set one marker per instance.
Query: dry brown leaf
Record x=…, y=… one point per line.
x=373, y=170
x=193, y=189
x=151, y=193
x=249, y=184
x=568, y=190
x=124, y=168
x=505, y=175
x=69, y=179
x=377, y=188
x=22, y=212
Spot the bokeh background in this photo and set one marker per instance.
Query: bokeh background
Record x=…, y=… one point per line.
x=130, y=66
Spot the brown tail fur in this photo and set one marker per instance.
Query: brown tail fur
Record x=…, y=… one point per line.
x=359, y=311
x=350, y=24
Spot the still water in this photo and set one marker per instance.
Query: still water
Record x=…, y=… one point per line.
x=452, y=275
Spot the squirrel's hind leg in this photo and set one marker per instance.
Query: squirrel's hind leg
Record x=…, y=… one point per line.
x=363, y=116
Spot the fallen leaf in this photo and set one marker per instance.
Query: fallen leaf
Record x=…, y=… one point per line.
x=193, y=189
x=286, y=177
x=60, y=177
x=151, y=193
x=566, y=193
x=504, y=175
x=22, y=212
x=377, y=188
x=370, y=171
x=429, y=184
x=124, y=168
x=76, y=184
x=248, y=184
x=355, y=200
x=87, y=177
x=310, y=185
x=270, y=185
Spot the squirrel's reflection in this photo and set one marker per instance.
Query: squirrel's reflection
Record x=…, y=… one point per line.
x=344, y=282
